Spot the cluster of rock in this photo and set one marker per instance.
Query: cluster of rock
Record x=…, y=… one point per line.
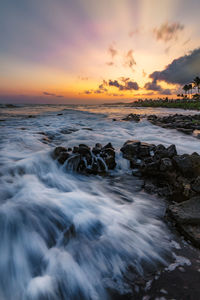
x=132, y=117
x=186, y=124
x=83, y=159
x=176, y=177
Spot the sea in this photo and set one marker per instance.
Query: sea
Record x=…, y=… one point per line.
x=119, y=231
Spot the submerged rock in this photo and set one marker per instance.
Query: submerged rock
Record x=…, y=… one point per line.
x=82, y=159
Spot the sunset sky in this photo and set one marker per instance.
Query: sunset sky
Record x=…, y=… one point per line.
x=89, y=51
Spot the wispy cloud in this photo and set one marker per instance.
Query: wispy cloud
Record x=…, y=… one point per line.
x=167, y=31
x=129, y=60
x=110, y=63
x=112, y=51
x=84, y=78
x=52, y=95
x=133, y=32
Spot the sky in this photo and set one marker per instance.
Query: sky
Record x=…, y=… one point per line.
x=89, y=51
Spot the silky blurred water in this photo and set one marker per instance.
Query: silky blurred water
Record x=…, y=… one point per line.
x=69, y=236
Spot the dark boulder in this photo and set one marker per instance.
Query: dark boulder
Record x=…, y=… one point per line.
x=187, y=218
x=188, y=165
x=196, y=185
x=166, y=164
x=58, y=150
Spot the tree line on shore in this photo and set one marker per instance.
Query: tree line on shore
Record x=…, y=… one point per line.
x=195, y=84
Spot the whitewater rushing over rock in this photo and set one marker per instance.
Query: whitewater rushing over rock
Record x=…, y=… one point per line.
x=66, y=235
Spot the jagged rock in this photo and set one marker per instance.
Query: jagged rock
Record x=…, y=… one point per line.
x=172, y=151
x=187, y=218
x=130, y=149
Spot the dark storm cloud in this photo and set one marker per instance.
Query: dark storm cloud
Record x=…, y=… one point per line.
x=167, y=32
x=125, y=86
x=52, y=95
x=181, y=70
x=153, y=86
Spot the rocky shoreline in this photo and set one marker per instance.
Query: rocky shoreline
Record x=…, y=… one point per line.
x=163, y=172
x=188, y=124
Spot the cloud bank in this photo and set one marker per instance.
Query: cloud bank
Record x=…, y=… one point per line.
x=181, y=71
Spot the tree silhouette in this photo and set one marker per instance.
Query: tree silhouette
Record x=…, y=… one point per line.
x=186, y=88
x=196, y=82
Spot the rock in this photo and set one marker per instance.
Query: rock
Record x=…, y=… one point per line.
x=188, y=165
x=185, y=130
x=63, y=157
x=150, y=188
x=83, y=149
x=161, y=152
x=60, y=114
x=130, y=149
x=109, y=145
x=171, y=151
x=68, y=130
x=75, y=149
x=144, y=150
x=109, y=151
x=151, y=168
x=81, y=159
x=58, y=150
x=187, y=218
x=132, y=117
x=166, y=164
x=136, y=173
x=97, y=149
x=196, y=185
x=86, y=128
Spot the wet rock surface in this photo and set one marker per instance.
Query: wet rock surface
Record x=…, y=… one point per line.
x=83, y=159
x=187, y=218
x=175, y=177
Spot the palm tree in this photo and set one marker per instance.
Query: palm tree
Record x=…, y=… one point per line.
x=196, y=82
x=186, y=88
x=190, y=87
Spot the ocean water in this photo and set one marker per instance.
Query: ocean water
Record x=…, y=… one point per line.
x=70, y=236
